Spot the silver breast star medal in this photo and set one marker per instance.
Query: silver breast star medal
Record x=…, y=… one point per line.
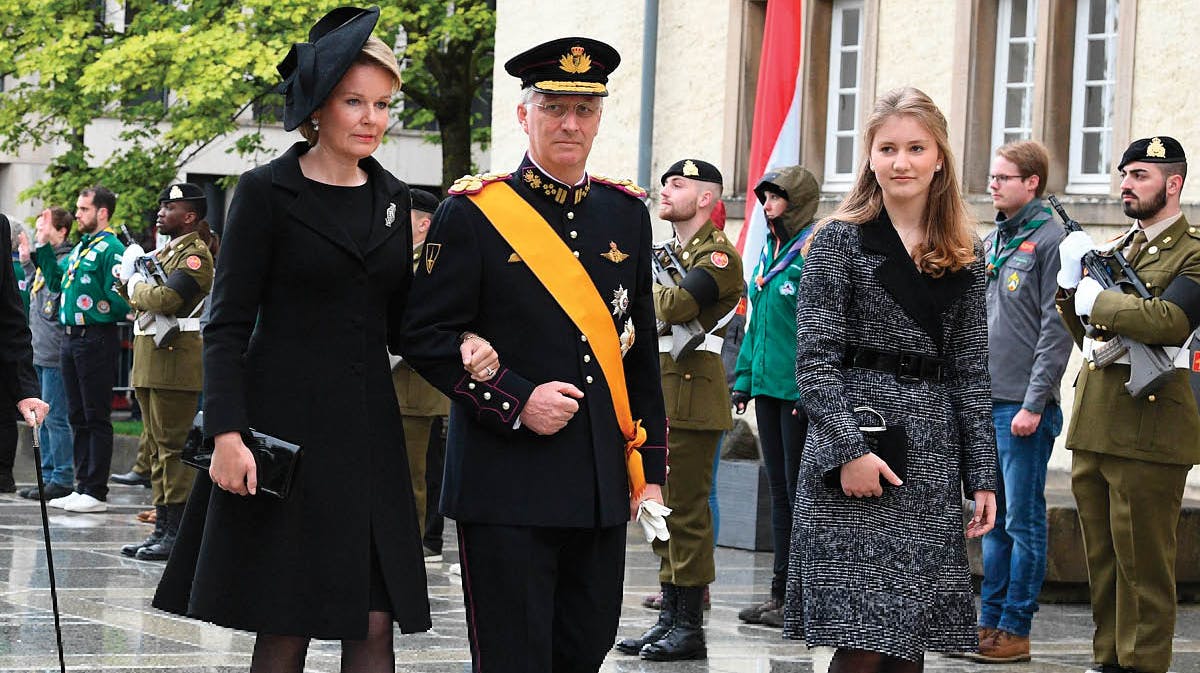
x=620, y=301
x=627, y=337
x=391, y=215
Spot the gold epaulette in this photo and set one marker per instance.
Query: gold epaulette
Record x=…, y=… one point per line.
x=626, y=186
x=473, y=184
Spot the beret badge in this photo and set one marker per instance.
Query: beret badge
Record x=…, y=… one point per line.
x=1156, y=149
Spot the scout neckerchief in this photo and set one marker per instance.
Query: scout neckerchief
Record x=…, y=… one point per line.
x=784, y=260
x=561, y=273
x=1000, y=256
x=83, y=251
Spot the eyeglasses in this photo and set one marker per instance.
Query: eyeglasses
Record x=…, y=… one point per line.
x=559, y=110
x=1001, y=179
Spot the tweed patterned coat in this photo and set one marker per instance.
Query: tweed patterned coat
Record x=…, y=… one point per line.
x=888, y=574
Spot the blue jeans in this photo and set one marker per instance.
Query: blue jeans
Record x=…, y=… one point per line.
x=58, y=456
x=1014, y=552
x=712, y=491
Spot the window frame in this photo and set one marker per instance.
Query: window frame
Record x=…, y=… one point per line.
x=1001, y=85
x=1078, y=181
x=833, y=180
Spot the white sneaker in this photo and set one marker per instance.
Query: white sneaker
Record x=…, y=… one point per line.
x=86, y=504
x=61, y=503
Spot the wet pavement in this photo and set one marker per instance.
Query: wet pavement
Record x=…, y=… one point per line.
x=108, y=624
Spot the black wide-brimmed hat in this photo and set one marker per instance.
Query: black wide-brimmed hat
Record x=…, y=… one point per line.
x=569, y=65
x=312, y=69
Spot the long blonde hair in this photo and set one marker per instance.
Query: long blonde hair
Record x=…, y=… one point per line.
x=948, y=244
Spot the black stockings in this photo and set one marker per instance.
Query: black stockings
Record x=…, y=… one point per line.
x=865, y=661
x=285, y=654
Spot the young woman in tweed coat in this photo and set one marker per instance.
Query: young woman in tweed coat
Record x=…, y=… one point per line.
x=891, y=316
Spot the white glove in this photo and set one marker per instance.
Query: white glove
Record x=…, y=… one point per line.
x=1085, y=296
x=653, y=518
x=1070, y=252
x=133, y=282
x=127, y=259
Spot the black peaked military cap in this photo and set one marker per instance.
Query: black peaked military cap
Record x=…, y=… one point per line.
x=186, y=191
x=423, y=200
x=570, y=65
x=312, y=69
x=694, y=169
x=1156, y=150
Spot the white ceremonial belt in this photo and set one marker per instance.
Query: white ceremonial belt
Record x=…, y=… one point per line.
x=1180, y=357
x=185, y=325
x=712, y=344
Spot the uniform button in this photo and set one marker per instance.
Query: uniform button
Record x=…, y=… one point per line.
x=685, y=255
x=1191, y=230
x=1153, y=250
x=570, y=215
x=583, y=337
x=471, y=386
x=587, y=358
x=687, y=377
x=1091, y=366
x=575, y=252
x=588, y=379
x=1151, y=398
x=487, y=395
x=506, y=406
x=574, y=234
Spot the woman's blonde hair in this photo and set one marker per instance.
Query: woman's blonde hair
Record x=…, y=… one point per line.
x=948, y=244
x=374, y=52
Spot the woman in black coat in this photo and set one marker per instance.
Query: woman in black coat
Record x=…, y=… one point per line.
x=311, y=283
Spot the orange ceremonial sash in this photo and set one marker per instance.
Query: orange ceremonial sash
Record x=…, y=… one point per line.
x=558, y=270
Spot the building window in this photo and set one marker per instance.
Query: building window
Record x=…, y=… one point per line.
x=1012, y=100
x=1092, y=104
x=845, y=75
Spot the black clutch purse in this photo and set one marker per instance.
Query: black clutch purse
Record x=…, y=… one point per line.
x=888, y=442
x=275, y=460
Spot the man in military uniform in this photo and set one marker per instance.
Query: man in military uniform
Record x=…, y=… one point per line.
x=90, y=308
x=422, y=406
x=1132, y=454
x=167, y=375
x=548, y=457
x=706, y=292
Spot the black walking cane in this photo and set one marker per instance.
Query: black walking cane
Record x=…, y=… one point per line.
x=37, y=467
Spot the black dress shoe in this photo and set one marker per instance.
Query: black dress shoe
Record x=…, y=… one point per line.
x=130, y=478
x=7, y=485
x=52, y=491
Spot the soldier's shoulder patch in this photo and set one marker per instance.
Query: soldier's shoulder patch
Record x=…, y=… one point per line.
x=627, y=186
x=194, y=262
x=473, y=184
x=719, y=259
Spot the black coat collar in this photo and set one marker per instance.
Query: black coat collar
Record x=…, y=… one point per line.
x=923, y=297
x=549, y=188
x=391, y=202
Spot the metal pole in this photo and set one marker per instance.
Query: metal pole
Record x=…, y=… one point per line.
x=649, y=65
x=37, y=467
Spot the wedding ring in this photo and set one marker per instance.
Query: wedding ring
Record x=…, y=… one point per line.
x=489, y=371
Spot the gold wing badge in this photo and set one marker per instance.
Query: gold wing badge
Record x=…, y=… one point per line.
x=614, y=253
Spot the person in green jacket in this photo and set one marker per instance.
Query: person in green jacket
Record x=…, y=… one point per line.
x=766, y=364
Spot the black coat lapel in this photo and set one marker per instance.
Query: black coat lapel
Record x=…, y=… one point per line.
x=392, y=206
x=899, y=276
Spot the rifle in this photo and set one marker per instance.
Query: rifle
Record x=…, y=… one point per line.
x=1150, y=367
x=668, y=271
x=166, y=327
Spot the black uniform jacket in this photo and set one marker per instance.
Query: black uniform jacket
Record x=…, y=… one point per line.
x=16, y=350
x=472, y=280
x=296, y=347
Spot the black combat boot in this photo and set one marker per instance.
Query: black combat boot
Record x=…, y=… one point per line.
x=666, y=619
x=161, y=550
x=132, y=550
x=685, y=640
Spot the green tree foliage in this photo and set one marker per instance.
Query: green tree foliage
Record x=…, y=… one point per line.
x=79, y=78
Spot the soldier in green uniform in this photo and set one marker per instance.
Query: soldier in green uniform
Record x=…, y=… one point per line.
x=698, y=408
x=167, y=376
x=422, y=406
x=90, y=307
x=1132, y=454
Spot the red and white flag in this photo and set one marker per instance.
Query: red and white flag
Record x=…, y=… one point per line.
x=775, y=138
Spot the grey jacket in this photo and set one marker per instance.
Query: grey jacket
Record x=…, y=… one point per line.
x=1028, y=346
x=43, y=314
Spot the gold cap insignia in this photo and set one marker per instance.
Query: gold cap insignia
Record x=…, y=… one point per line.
x=1156, y=149
x=614, y=253
x=690, y=169
x=576, y=62
x=177, y=193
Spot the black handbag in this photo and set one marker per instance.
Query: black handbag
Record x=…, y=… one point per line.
x=888, y=442
x=275, y=460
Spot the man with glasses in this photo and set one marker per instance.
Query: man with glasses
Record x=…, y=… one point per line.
x=1028, y=348
x=547, y=457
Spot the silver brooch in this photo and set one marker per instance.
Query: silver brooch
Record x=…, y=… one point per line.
x=391, y=215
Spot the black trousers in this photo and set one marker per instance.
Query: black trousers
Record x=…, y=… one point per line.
x=8, y=437
x=541, y=600
x=782, y=437
x=435, y=463
x=89, y=371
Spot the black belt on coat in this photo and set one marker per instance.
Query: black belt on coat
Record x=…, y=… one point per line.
x=906, y=366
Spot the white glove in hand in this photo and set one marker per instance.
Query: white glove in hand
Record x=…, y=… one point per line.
x=1085, y=296
x=127, y=259
x=653, y=518
x=1070, y=252
x=133, y=281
